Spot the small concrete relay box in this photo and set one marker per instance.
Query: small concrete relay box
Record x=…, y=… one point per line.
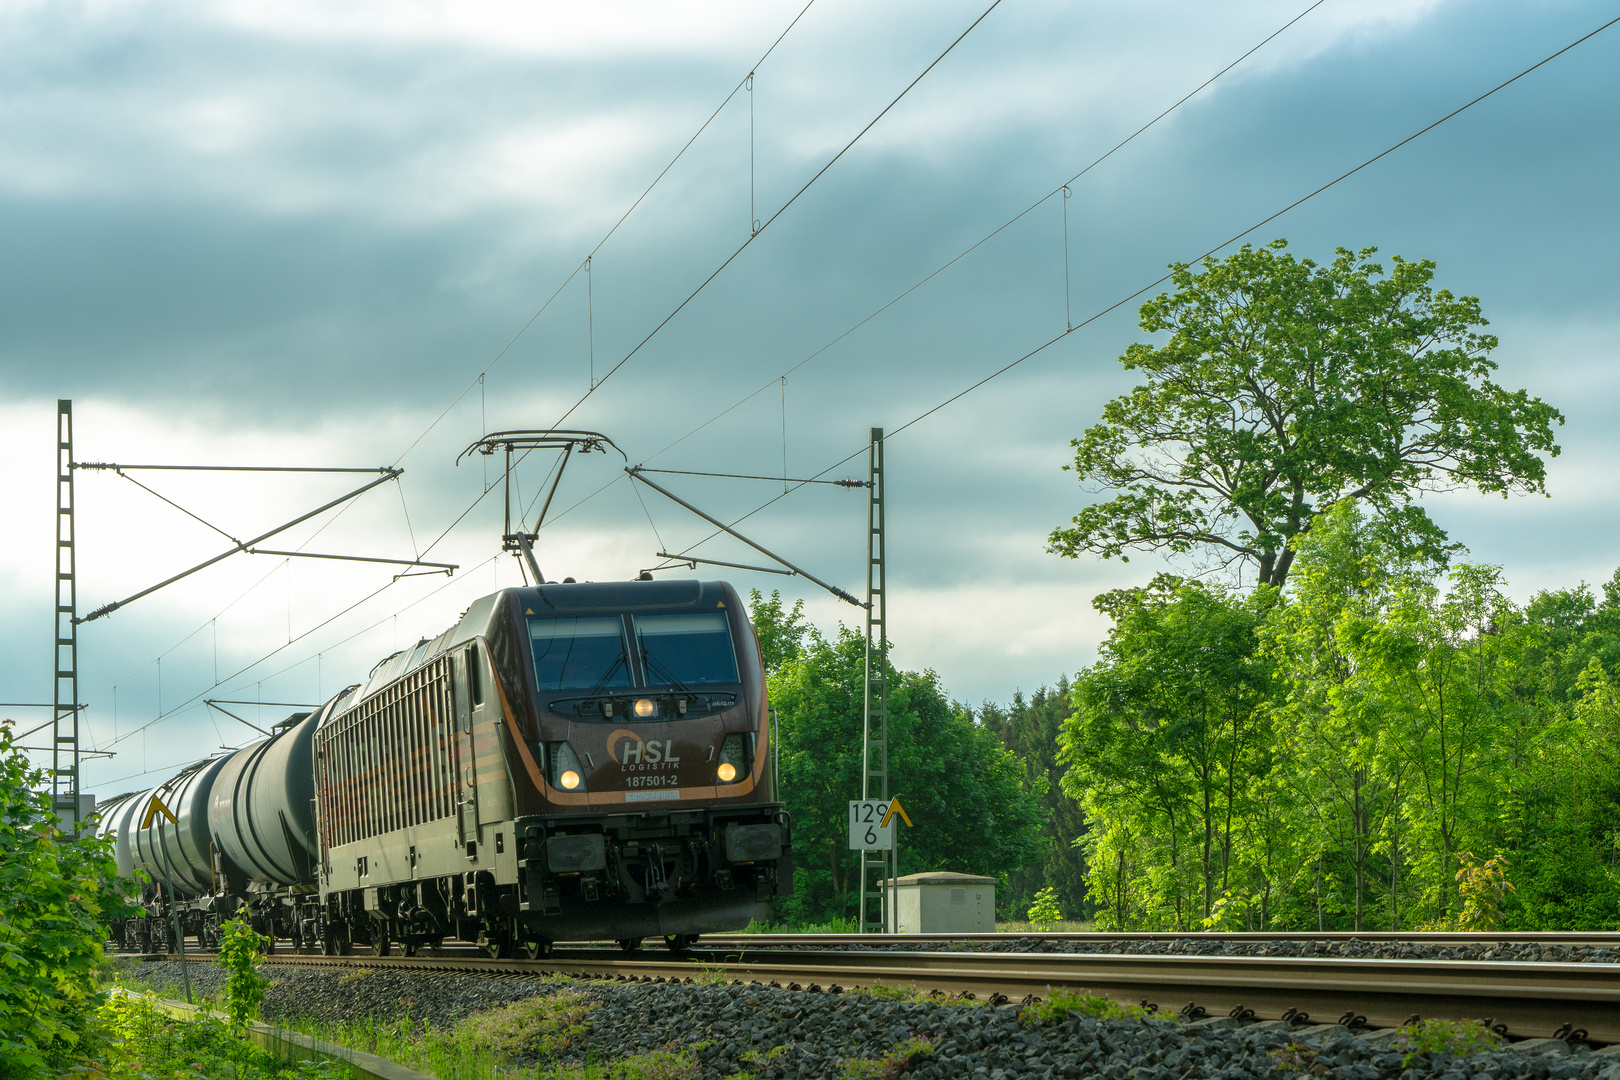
x=944, y=903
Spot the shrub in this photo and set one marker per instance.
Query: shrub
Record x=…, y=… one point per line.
x=1045, y=912
x=1456, y=1037
x=239, y=948
x=58, y=893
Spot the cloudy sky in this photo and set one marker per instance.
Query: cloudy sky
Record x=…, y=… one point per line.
x=297, y=233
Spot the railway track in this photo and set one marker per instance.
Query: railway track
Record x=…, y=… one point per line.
x=1532, y=999
x=1609, y=939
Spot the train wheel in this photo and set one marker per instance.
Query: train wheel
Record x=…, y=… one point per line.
x=535, y=948
x=629, y=944
x=328, y=945
x=409, y=947
x=496, y=946
x=679, y=942
x=380, y=944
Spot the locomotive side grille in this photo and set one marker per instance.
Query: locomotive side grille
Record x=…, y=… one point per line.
x=387, y=763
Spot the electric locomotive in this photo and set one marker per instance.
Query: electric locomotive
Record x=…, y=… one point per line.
x=570, y=761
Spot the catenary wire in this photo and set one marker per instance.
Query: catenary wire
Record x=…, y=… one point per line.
x=1026, y=356
x=586, y=261
x=1155, y=284
x=819, y=173
x=779, y=212
x=479, y=378
x=998, y=230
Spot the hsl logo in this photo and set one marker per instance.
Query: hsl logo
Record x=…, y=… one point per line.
x=637, y=751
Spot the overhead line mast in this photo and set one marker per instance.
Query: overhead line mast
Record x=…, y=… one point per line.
x=877, y=907
x=65, y=652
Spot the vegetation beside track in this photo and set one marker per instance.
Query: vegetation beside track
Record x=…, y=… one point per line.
x=1333, y=722
x=57, y=894
x=134, y=1039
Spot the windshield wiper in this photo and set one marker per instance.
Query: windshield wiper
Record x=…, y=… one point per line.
x=662, y=672
x=608, y=674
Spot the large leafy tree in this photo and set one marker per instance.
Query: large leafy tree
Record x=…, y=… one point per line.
x=1285, y=387
x=964, y=792
x=1168, y=748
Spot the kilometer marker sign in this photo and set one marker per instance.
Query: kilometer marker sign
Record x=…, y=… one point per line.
x=871, y=823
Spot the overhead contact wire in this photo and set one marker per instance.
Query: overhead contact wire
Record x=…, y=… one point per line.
x=780, y=211
x=1155, y=284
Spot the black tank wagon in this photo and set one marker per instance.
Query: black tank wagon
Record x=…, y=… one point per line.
x=573, y=761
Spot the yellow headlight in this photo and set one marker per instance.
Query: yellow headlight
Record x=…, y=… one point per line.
x=645, y=707
x=570, y=779
x=727, y=771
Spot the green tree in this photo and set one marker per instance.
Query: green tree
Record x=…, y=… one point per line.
x=1347, y=774
x=963, y=791
x=1029, y=729
x=781, y=631
x=1443, y=666
x=1168, y=739
x=1285, y=387
x=57, y=895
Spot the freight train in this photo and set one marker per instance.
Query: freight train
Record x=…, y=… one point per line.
x=578, y=761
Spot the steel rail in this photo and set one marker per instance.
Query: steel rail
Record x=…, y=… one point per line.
x=1604, y=938
x=1531, y=998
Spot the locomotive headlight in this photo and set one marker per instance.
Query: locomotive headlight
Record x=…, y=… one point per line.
x=564, y=769
x=646, y=707
x=736, y=757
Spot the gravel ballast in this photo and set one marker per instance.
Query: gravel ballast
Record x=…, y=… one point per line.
x=729, y=1028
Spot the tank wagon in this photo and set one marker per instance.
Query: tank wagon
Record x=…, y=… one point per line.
x=573, y=761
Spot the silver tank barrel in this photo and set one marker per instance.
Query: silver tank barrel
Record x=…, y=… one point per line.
x=260, y=810
x=183, y=849
x=116, y=815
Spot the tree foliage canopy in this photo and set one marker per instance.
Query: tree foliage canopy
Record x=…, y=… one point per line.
x=1359, y=752
x=57, y=895
x=964, y=792
x=1285, y=387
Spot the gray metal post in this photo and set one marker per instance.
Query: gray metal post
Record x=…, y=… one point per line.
x=876, y=904
x=174, y=912
x=65, y=651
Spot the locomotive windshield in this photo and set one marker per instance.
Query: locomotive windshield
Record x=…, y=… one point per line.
x=572, y=653
x=686, y=650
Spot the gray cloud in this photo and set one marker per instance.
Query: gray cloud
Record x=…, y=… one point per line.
x=293, y=232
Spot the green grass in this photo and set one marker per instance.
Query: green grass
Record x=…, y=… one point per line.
x=831, y=926
x=1062, y=926
x=481, y=1047
x=1061, y=1004
x=136, y=1040
x=654, y=1065
x=899, y=1060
